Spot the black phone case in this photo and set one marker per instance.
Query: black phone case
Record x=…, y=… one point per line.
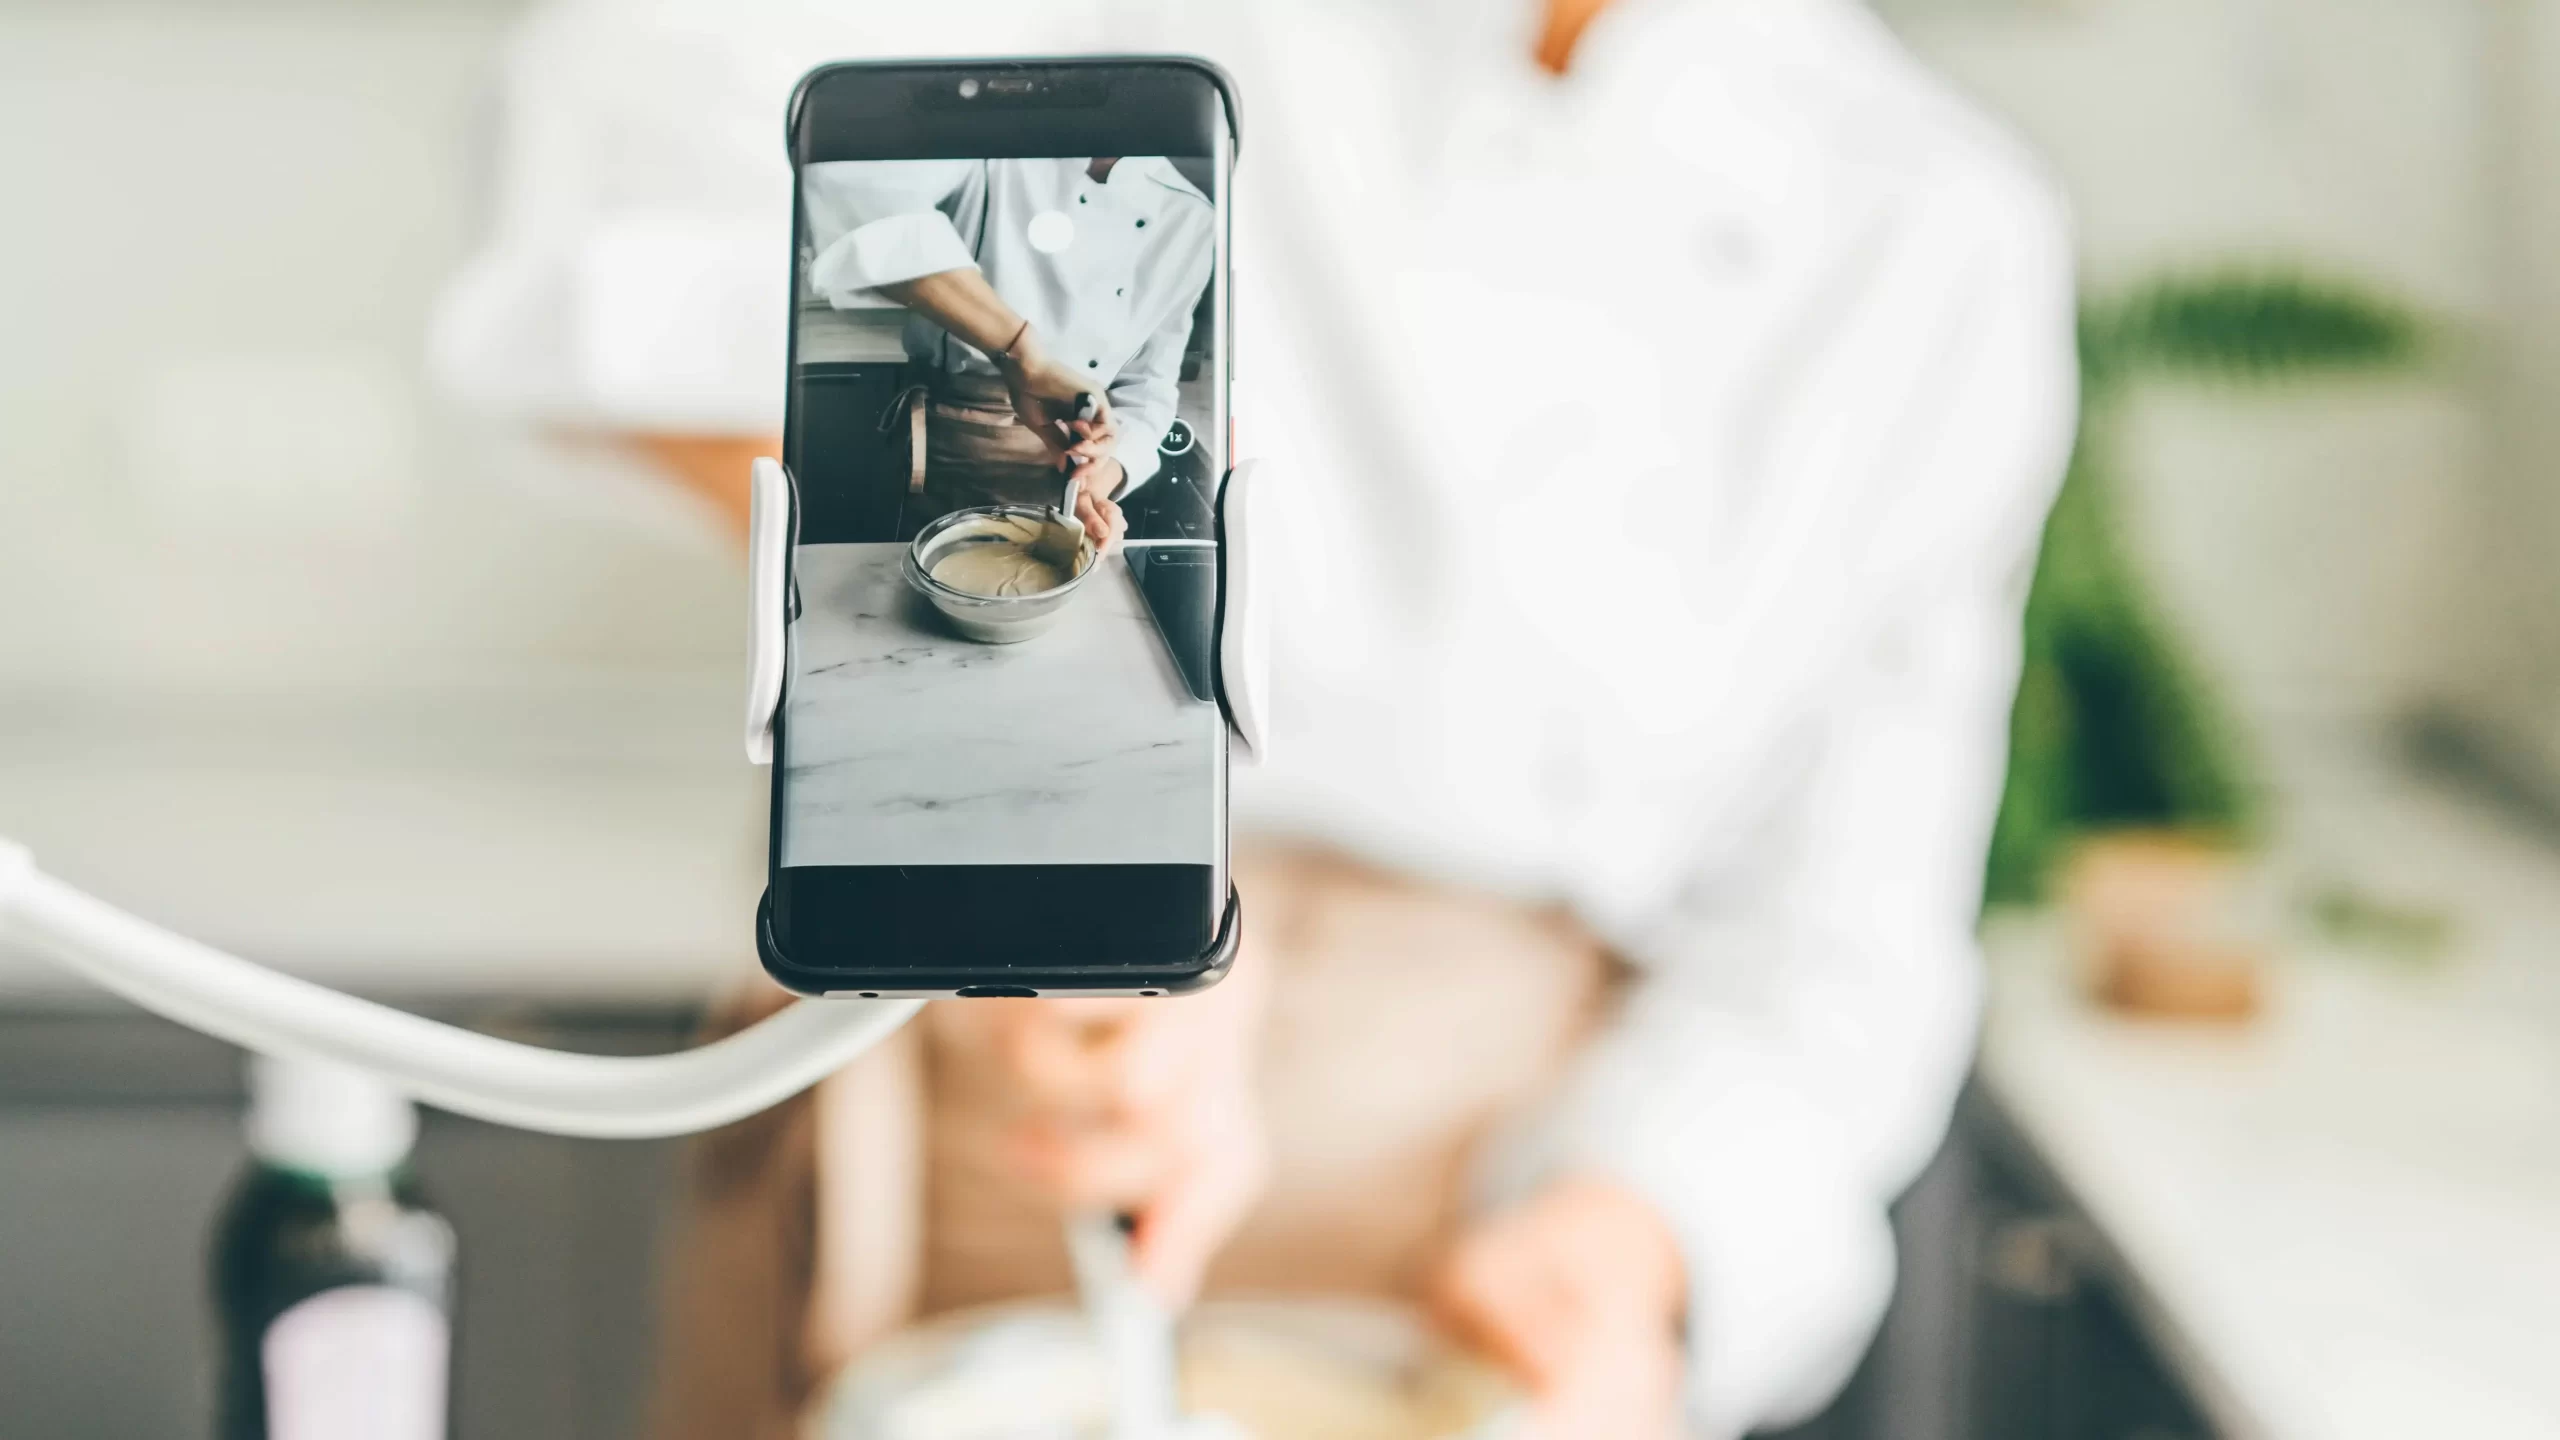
x=1185, y=975
x=1197, y=973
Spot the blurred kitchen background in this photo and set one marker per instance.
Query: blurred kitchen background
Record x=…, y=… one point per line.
x=298, y=658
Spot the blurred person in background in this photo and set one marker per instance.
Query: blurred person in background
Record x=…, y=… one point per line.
x=1663, y=398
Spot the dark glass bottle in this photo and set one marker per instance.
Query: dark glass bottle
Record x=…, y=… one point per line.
x=333, y=1280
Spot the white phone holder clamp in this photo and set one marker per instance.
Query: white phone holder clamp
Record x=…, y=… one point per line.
x=1244, y=635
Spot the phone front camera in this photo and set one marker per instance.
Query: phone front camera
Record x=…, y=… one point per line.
x=968, y=89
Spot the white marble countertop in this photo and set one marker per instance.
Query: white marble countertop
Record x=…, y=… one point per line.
x=2343, y=1220
x=603, y=844
x=910, y=746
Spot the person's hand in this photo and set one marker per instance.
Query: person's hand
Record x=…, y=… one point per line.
x=1101, y=515
x=1138, y=1106
x=1090, y=442
x=1047, y=393
x=1578, y=1292
x=1092, y=446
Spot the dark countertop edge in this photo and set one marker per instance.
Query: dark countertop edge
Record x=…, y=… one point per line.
x=2005, y=1136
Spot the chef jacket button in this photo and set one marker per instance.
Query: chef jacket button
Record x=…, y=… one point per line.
x=1122, y=290
x=1142, y=224
x=1093, y=364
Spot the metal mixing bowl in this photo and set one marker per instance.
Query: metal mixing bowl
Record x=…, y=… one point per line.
x=988, y=619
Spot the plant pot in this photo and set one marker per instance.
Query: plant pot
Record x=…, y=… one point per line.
x=2168, y=923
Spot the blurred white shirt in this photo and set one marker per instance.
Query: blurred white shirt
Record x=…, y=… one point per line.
x=1108, y=272
x=1661, y=451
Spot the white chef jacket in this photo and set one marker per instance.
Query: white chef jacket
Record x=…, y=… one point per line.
x=1109, y=284
x=1660, y=454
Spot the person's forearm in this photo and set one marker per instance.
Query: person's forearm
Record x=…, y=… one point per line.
x=962, y=302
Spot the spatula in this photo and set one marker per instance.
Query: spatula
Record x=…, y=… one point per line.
x=1134, y=1330
x=1062, y=543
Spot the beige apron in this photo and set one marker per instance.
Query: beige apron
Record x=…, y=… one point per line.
x=969, y=449
x=1404, y=1020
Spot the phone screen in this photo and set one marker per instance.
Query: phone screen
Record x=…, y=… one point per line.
x=1001, y=693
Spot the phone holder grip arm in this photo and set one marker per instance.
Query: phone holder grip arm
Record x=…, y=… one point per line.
x=526, y=1086
x=1244, y=609
x=771, y=504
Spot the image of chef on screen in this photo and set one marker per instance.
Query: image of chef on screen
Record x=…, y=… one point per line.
x=1049, y=303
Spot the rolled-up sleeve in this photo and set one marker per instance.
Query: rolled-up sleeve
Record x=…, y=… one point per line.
x=880, y=222
x=1788, y=1060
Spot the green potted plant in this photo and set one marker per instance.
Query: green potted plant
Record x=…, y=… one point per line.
x=2128, y=782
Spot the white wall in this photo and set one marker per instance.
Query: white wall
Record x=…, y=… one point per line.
x=220, y=467
x=2512, y=598
x=2313, y=544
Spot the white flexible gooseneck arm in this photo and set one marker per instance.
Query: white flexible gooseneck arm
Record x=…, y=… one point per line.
x=526, y=1086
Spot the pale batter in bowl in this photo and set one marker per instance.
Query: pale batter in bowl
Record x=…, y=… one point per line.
x=1009, y=555
x=1000, y=574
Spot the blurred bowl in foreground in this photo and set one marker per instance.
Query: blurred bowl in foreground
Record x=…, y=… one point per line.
x=1264, y=1369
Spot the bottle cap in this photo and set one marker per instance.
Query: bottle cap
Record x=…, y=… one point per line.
x=328, y=1120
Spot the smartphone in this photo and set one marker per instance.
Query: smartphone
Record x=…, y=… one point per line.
x=994, y=261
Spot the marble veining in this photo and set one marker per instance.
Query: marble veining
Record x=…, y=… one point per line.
x=904, y=744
